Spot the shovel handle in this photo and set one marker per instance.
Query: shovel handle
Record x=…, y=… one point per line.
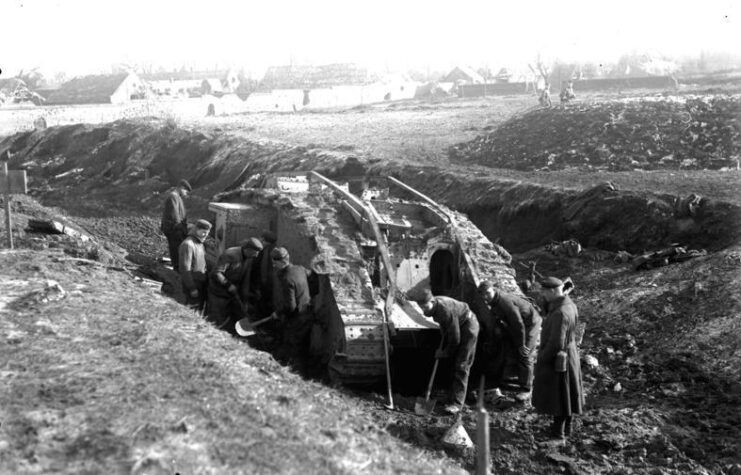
x=263, y=320
x=432, y=380
x=434, y=370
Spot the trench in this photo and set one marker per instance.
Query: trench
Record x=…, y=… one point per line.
x=128, y=163
x=518, y=215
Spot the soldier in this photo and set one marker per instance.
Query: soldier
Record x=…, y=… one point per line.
x=545, y=96
x=293, y=307
x=520, y=323
x=193, y=265
x=557, y=390
x=460, y=330
x=231, y=284
x=264, y=273
x=567, y=92
x=174, y=223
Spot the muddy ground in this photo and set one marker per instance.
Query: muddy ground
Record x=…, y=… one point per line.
x=663, y=399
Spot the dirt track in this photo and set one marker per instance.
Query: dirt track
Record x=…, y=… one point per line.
x=667, y=335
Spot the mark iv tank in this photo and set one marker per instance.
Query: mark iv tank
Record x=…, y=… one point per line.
x=368, y=243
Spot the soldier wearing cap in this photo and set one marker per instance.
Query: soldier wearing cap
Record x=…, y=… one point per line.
x=557, y=390
x=519, y=322
x=264, y=273
x=292, y=303
x=193, y=265
x=460, y=330
x=231, y=284
x=174, y=224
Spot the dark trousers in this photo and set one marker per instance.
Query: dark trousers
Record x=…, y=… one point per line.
x=174, y=239
x=526, y=363
x=223, y=311
x=197, y=303
x=464, y=359
x=561, y=426
x=296, y=339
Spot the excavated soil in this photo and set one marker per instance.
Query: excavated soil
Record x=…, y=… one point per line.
x=686, y=132
x=664, y=397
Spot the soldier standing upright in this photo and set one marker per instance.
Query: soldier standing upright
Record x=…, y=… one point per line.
x=292, y=302
x=174, y=223
x=193, y=265
x=557, y=390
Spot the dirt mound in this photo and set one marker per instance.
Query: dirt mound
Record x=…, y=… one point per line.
x=647, y=134
x=128, y=164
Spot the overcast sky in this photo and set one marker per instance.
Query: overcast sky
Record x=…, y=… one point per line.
x=86, y=36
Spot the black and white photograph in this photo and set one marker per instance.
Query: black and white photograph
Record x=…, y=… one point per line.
x=390, y=237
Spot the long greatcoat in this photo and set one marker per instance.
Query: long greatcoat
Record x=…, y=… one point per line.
x=558, y=393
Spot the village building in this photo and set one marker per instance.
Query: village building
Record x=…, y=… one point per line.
x=463, y=75
x=118, y=88
x=295, y=87
x=186, y=83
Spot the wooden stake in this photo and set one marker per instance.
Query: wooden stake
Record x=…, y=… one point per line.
x=482, y=434
x=8, y=220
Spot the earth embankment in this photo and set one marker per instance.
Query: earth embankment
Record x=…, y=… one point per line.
x=131, y=162
x=648, y=133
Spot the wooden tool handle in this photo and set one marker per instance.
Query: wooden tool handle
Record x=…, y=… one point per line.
x=432, y=380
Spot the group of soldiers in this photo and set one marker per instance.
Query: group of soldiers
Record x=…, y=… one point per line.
x=544, y=349
x=566, y=95
x=256, y=278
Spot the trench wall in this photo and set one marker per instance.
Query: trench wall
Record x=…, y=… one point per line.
x=154, y=155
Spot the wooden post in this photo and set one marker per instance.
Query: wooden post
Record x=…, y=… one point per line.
x=8, y=220
x=11, y=182
x=482, y=434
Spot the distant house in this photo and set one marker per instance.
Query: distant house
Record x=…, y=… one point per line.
x=464, y=75
x=98, y=89
x=14, y=91
x=193, y=83
x=294, y=87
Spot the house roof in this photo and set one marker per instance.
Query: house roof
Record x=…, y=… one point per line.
x=221, y=74
x=314, y=77
x=465, y=73
x=93, y=89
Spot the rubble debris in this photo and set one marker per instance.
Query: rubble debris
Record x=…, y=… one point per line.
x=665, y=257
x=687, y=206
x=622, y=257
x=590, y=361
x=457, y=437
x=51, y=226
x=570, y=248
x=699, y=132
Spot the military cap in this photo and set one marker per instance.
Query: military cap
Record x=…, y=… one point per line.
x=184, y=184
x=270, y=237
x=252, y=243
x=551, y=282
x=423, y=297
x=203, y=224
x=279, y=254
x=484, y=286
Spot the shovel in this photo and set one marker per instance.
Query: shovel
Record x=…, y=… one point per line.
x=245, y=327
x=423, y=407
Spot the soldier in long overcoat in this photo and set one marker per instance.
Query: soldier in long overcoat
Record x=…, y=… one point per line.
x=557, y=389
x=174, y=224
